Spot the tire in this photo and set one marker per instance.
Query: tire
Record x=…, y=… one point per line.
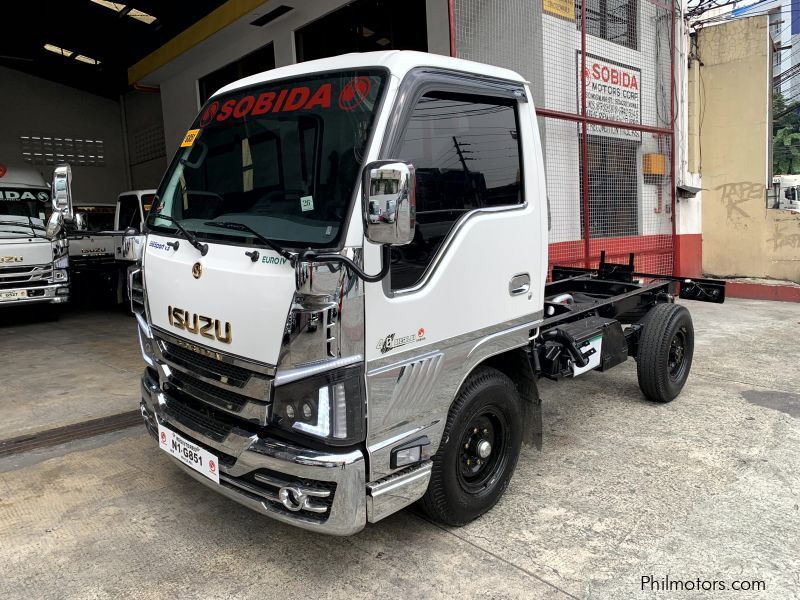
x=487, y=408
x=666, y=347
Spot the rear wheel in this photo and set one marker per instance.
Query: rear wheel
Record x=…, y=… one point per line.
x=666, y=348
x=479, y=449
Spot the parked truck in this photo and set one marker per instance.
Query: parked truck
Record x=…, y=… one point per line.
x=34, y=249
x=100, y=257
x=436, y=318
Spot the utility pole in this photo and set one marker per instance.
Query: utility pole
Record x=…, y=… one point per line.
x=467, y=172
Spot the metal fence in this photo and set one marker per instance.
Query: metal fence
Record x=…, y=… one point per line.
x=602, y=76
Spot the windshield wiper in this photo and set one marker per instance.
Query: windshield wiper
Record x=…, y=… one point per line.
x=33, y=226
x=201, y=247
x=264, y=240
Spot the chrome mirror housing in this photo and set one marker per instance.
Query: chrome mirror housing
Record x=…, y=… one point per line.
x=62, y=190
x=54, y=225
x=81, y=221
x=388, y=193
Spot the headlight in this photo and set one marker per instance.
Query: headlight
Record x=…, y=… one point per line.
x=328, y=406
x=60, y=275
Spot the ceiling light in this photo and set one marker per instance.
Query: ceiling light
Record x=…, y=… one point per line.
x=58, y=50
x=141, y=16
x=366, y=31
x=128, y=11
x=115, y=6
x=383, y=41
x=86, y=59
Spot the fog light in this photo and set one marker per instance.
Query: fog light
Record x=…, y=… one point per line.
x=62, y=291
x=411, y=452
x=290, y=411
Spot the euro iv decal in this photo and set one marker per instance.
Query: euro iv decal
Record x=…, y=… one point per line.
x=207, y=327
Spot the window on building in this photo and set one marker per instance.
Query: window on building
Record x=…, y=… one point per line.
x=257, y=61
x=365, y=26
x=613, y=20
x=466, y=153
x=613, y=187
x=55, y=150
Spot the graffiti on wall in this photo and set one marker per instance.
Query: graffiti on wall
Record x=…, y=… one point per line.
x=735, y=196
x=785, y=235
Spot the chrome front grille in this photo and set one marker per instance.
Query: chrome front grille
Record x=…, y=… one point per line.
x=221, y=382
x=25, y=277
x=87, y=261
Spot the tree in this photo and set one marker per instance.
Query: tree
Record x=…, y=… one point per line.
x=785, y=135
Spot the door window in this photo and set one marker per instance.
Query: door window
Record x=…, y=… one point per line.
x=466, y=153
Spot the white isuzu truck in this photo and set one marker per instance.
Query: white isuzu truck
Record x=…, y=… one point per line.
x=34, y=250
x=343, y=301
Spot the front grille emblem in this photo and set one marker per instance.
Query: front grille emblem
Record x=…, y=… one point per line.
x=197, y=270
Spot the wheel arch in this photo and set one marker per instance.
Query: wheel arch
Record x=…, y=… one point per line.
x=516, y=365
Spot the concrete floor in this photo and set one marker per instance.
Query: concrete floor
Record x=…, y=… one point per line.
x=705, y=487
x=83, y=366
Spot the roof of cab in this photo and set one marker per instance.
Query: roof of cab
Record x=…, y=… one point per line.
x=398, y=62
x=21, y=176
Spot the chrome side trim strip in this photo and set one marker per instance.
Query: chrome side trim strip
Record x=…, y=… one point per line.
x=284, y=376
x=397, y=491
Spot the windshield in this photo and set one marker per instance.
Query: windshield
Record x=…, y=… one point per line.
x=21, y=207
x=282, y=158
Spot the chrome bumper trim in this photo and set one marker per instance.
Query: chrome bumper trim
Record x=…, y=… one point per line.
x=50, y=295
x=397, y=491
x=348, y=510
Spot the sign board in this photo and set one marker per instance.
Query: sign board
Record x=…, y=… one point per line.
x=563, y=9
x=613, y=92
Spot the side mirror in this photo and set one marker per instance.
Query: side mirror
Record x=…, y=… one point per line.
x=62, y=190
x=81, y=221
x=390, y=206
x=54, y=225
x=131, y=231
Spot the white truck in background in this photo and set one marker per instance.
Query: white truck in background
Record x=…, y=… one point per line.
x=99, y=258
x=132, y=209
x=787, y=192
x=338, y=192
x=34, y=249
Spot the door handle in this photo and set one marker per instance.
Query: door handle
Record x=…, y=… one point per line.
x=519, y=284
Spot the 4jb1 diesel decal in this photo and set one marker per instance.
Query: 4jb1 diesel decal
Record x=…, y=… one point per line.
x=302, y=97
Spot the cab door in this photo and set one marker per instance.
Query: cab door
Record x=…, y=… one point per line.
x=470, y=282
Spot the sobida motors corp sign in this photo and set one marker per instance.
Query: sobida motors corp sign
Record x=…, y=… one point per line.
x=613, y=93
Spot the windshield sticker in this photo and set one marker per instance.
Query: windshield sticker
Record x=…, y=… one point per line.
x=191, y=136
x=354, y=93
x=20, y=195
x=306, y=203
x=351, y=96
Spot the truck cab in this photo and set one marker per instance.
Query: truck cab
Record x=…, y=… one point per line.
x=33, y=249
x=342, y=303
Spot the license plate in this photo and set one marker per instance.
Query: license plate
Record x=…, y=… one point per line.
x=15, y=295
x=189, y=453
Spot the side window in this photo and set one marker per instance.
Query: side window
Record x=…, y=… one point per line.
x=467, y=156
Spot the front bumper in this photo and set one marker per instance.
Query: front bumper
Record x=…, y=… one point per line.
x=254, y=469
x=57, y=293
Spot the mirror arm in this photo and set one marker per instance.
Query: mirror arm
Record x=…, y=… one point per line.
x=386, y=254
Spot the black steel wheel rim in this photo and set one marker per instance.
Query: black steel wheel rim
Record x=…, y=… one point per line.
x=676, y=360
x=477, y=473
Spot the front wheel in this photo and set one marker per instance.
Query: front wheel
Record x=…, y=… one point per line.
x=666, y=348
x=479, y=449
